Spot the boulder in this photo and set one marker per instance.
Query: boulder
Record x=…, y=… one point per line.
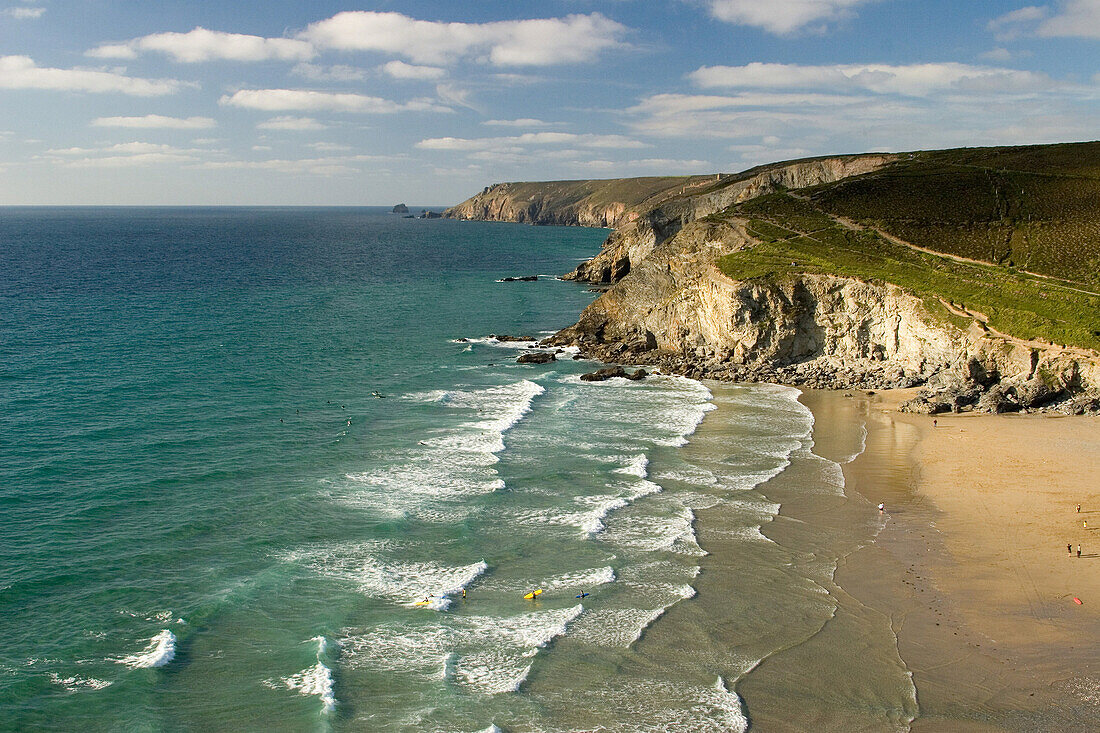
x=536, y=357
x=606, y=373
x=1037, y=393
x=997, y=400
x=521, y=279
x=401, y=209
x=638, y=375
x=505, y=338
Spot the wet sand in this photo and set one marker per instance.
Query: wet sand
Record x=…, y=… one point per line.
x=972, y=567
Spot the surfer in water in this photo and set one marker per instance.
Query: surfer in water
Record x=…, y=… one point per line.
x=583, y=595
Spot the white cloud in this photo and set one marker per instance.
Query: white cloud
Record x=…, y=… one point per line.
x=302, y=100
x=527, y=139
x=292, y=123
x=548, y=41
x=1000, y=55
x=202, y=44
x=121, y=155
x=326, y=166
x=782, y=17
x=327, y=147
x=23, y=13
x=156, y=122
x=401, y=70
x=661, y=166
x=1071, y=19
x=917, y=80
x=338, y=72
x=521, y=122
x=1076, y=18
x=20, y=72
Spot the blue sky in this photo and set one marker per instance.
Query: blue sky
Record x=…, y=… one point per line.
x=201, y=102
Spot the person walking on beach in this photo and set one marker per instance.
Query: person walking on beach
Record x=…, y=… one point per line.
x=1078, y=508
x=1069, y=549
x=1078, y=550
x=881, y=507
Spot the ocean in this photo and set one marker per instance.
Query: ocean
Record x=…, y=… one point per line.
x=268, y=469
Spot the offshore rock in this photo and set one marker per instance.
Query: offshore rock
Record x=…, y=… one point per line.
x=536, y=357
x=604, y=374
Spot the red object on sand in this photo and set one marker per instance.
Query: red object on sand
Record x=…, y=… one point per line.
x=1077, y=601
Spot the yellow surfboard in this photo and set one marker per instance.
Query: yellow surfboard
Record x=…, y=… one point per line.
x=533, y=594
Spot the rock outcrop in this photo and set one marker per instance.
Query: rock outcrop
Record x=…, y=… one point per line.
x=607, y=203
x=666, y=303
x=633, y=241
x=676, y=310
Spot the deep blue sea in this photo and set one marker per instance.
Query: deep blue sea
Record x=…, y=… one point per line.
x=265, y=469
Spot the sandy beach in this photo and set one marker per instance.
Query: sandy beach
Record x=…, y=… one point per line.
x=972, y=565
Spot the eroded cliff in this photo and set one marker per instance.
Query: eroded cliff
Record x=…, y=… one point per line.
x=677, y=310
x=639, y=234
x=815, y=322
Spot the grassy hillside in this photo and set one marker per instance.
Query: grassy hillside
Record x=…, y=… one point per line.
x=800, y=236
x=1034, y=208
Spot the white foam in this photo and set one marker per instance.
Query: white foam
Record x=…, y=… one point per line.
x=455, y=462
x=404, y=583
x=77, y=683
x=616, y=627
x=674, y=533
x=316, y=680
x=435, y=395
x=489, y=655
x=636, y=466
x=496, y=670
x=160, y=651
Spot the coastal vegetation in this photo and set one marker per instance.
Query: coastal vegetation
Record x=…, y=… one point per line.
x=797, y=236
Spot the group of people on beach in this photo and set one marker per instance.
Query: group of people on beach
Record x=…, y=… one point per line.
x=1084, y=525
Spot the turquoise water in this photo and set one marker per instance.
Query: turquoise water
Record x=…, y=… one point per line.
x=240, y=446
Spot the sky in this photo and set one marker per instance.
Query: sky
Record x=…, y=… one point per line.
x=196, y=102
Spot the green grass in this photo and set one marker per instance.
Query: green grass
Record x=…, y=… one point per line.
x=1016, y=303
x=1035, y=208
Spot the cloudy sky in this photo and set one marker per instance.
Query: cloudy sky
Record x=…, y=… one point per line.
x=282, y=102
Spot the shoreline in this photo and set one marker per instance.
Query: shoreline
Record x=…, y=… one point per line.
x=970, y=566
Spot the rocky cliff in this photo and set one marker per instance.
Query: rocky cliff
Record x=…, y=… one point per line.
x=638, y=234
x=596, y=203
x=677, y=310
x=667, y=302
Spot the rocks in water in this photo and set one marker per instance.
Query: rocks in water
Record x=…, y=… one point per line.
x=505, y=338
x=604, y=374
x=425, y=214
x=601, y=375
x=521, y=279
x=401, y=209
x=536, y=357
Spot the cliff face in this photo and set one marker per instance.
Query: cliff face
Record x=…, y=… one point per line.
x=608, y=203
x=638, y=234
x=668, y=304
x=678, y=311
